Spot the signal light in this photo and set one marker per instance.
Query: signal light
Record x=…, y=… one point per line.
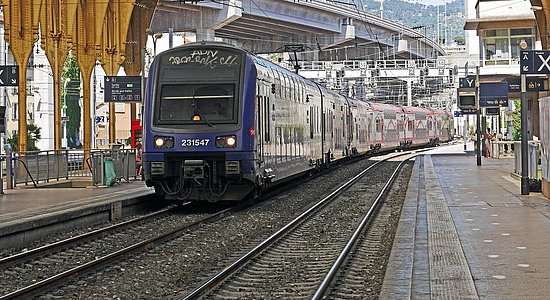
x=196, y=118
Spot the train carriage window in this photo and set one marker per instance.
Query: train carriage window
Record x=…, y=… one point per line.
x=298, y=91
x=197, y=104
x=317, y=120
x=332, y=125
x=302, y=91
x=311, y=117
x=287, y=88
x=260, y=116
x=267, y=120
x=378, y=125
x=277, y=83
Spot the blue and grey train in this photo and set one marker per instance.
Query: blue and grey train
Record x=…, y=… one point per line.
x=220, y=123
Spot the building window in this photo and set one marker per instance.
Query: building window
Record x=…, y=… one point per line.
x=501, y=46
x=14, y=111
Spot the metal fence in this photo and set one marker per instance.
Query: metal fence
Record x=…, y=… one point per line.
x=33, y=167
x=534, y=151
x=124, y=163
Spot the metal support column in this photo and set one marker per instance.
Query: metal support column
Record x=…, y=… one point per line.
x=478, y=119
x=524, y=137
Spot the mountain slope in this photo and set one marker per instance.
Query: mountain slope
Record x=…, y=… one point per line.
x=413, y=14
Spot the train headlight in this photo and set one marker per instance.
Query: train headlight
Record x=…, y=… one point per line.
x=164, y=142
x=229, y=141
x=159, y=142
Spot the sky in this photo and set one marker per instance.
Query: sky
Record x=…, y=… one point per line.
x=426, y=2
x=429, y=2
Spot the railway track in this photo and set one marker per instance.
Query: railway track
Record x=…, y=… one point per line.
x=51, y=265
x=182, y=263
x=297, y=260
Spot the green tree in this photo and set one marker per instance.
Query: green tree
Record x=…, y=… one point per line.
x=71, y=95
x=459, y=40
x=516, y=115
x=33, y=136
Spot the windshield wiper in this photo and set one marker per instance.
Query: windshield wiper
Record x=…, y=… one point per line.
x=198, y=112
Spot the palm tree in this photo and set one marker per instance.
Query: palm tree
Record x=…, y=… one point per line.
x=33, y=136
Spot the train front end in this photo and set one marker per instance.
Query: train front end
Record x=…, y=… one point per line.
x=199, y=123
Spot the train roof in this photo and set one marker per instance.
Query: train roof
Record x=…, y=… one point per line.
x=382, y=107
x=413, y=109
x=438, y=111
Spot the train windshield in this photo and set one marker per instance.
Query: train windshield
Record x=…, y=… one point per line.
x=208, y=104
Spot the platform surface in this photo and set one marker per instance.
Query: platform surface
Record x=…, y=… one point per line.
x=466, y=232
x=27, y=205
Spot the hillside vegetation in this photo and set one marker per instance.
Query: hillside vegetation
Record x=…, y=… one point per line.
x=424, y=17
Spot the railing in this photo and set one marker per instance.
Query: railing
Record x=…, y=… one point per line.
x=533, y=155
x=45, y=166
x=124, y=164
x=502, y=149
x=367, y=64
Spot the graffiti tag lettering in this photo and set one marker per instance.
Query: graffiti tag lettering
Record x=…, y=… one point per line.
x=208, y=58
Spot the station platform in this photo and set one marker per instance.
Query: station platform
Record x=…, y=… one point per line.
x=24, y=208
x=466, y=232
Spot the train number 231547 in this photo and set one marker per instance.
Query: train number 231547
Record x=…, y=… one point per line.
x=195, y=142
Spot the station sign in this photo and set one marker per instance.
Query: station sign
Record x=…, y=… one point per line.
x=101, y=119
x=533, y=84
x=493, y=94
x=9, y=75
x=535, y=62
x=467, y=82
x=466, y=98
x=124, y=89
x=468, y=111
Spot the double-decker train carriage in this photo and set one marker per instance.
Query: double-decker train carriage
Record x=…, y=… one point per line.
x=220, y=123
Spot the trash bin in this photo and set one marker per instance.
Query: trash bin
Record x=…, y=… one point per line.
x=110, y=175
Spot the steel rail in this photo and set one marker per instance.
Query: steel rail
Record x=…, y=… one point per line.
x=31, y=290
x=225, y=273
x=47, y=249
x=367, y=218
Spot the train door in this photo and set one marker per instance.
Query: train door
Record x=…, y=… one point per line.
x=400, y=126
x=262, y=122
x=370, y=128
x=328, y=140
x=431, y=127
x=350, y=124
x=409, y=128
